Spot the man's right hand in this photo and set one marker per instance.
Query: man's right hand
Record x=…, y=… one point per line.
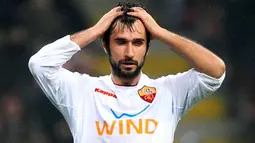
x=104, y=23
x=85, y=37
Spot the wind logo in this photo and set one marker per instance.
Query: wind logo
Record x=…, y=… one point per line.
x=126, y=127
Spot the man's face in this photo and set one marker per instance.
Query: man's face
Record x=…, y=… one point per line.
x=128, y=50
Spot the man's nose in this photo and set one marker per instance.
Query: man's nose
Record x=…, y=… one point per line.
x=129, y=51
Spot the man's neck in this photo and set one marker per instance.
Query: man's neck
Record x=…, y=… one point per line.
x=125, y=82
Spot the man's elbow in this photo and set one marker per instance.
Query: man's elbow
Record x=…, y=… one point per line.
x=220, y=69
x=33, y=64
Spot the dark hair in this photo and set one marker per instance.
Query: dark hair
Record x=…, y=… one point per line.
x=126, y=21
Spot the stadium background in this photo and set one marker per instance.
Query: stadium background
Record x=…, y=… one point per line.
x=224, y=26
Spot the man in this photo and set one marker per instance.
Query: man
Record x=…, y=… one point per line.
x=125, y=106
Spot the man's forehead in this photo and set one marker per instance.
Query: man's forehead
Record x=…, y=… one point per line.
x=136, y=30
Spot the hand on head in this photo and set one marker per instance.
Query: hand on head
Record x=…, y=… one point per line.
x=130, y=9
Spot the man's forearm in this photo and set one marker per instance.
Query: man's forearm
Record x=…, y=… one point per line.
x=85, y=37
x=199, y=57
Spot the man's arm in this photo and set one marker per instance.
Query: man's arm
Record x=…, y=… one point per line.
x=46, y=68
x=200, y=58
x=46, y=65
x=83, y=38
x=190, y=87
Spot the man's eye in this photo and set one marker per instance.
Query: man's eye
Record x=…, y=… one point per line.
x=138, y=43
x=120, y=42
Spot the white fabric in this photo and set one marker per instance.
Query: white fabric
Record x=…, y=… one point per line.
x=98, y=111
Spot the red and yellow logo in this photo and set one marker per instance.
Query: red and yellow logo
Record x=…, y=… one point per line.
x=147, y=93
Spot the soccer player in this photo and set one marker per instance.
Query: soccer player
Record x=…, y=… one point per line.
x=126, y=106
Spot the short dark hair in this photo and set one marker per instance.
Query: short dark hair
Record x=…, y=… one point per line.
x=126, y=20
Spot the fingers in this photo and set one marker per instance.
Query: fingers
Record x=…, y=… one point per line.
x=116, y=9
x=118, y=13
x=115, y=12
x=135, y=14
x=138, y=12
x=138, y=9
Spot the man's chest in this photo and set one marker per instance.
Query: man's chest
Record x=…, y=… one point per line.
x=127, y=112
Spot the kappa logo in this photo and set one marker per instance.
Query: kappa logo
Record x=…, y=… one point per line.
x=105, y=93
x=147, y=93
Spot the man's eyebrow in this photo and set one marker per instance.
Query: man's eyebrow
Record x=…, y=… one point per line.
x=120, y=39
x=124, y=39
x=139, y=39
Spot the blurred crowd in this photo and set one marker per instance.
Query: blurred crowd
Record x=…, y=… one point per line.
x=27, y=116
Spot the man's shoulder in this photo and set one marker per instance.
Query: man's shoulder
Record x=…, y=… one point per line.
x=170, y=76
x=154, y=80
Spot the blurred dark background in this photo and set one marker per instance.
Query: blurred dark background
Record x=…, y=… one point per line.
x=226, y=27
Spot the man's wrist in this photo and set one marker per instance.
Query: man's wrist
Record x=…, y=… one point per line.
x=160, y=33
x=97, y=31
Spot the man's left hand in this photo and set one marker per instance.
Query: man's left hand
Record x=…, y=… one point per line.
x=151, y=25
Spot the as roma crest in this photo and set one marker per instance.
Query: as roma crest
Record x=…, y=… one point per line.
x=147, y=93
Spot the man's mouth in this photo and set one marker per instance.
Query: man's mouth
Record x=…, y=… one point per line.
x=128, y=65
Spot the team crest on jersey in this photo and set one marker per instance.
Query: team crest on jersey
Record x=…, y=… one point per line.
x=147, y=93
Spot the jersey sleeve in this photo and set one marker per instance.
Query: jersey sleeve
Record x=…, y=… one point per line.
x=62, y=87
x=189, y=87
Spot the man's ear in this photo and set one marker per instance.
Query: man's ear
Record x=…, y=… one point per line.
x=104, y=46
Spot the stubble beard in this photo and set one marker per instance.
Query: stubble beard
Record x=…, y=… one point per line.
x=125, y=74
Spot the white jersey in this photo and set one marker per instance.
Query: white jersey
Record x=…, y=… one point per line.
x=98, y=111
